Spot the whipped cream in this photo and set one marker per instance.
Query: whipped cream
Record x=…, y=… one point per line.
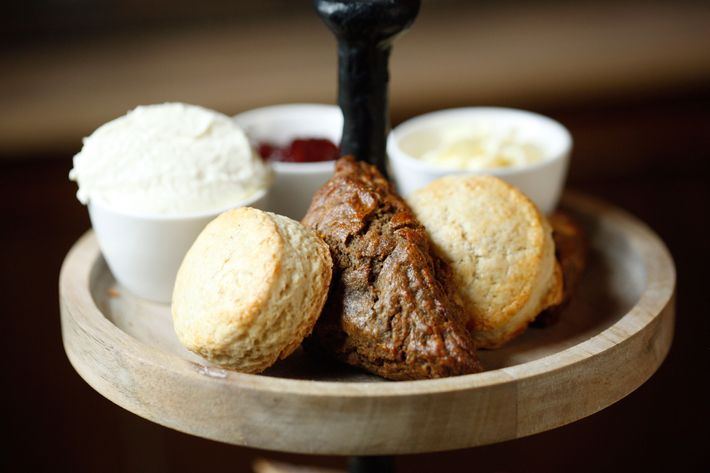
x=169, y=159
x=481, y=146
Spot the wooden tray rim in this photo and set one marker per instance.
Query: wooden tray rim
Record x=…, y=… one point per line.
x=660, y=285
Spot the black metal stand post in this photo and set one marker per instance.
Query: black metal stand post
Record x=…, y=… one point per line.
x=383, y=464
x=365, y=31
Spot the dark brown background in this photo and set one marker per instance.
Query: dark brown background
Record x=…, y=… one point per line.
x=644, y=149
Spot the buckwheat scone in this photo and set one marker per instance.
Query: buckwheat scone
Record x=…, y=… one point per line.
x=500, y=249
x=571, y=249
x=250, y=289
x=390, y=308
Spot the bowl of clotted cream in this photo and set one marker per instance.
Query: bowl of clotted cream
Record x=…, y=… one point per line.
x=526, y=149
x=153, y=178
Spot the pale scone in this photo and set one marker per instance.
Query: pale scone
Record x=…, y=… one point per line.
x=500, y=249
x=250, y=289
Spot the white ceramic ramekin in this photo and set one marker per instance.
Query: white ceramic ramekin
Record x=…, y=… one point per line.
x=144, y=251
x=541, y=181
x=294, y=183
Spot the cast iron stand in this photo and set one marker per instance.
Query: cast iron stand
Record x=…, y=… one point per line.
x=383, y=464
x=365, y=31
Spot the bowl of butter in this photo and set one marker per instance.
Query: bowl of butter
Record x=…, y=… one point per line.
x=528, y=150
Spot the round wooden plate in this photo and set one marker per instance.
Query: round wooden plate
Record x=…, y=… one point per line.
x=611, y=339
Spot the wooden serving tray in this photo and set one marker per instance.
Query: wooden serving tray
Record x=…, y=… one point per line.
x=610, y=340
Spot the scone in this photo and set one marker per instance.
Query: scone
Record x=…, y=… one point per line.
x=500, y=249
x=571, y=248
x=390, y=308
x=250, y=289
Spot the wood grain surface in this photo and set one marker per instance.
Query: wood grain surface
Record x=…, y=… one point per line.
x=610, y=340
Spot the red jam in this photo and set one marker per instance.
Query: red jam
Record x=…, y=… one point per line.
x=300, y=150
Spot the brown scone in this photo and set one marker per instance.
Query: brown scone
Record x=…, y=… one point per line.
x=389, y=309
x=571, y=250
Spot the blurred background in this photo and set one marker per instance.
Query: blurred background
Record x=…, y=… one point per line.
x=630, y=79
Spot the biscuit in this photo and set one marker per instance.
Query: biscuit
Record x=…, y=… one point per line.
x=500, y=249
x=250, y=289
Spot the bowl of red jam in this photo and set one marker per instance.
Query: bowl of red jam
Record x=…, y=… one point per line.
x=301, y=141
